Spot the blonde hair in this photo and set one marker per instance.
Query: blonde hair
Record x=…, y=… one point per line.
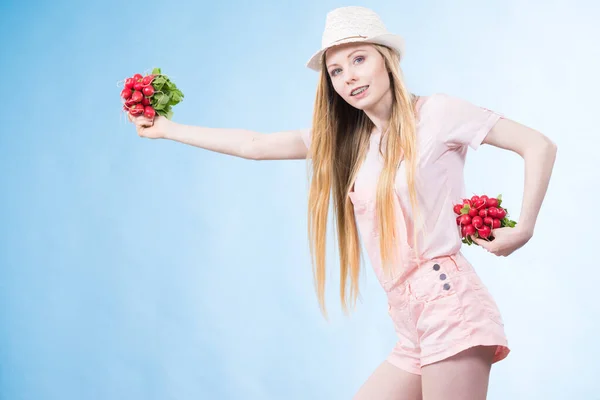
x=340, y=139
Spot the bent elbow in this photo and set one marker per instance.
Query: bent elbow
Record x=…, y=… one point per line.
x=551, y=146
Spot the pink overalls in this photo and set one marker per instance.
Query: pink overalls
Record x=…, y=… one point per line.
x=442, y=307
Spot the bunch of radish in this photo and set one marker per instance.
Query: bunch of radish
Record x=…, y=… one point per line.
x=479, y=216
x=149, y=95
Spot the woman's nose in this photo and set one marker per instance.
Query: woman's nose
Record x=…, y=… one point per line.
x=350, y=77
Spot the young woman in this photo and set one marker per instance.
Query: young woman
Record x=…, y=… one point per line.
x=391, y=163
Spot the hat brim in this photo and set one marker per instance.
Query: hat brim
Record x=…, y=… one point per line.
x=395, y=42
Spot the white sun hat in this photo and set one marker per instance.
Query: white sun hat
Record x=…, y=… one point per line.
x=354, y=24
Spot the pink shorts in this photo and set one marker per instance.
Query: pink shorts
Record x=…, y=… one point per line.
x=440, y=310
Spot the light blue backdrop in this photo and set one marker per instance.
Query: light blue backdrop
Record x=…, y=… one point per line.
x=140, y=269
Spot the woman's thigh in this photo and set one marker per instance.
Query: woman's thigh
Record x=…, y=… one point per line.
x=388, y=382
x=464, y=376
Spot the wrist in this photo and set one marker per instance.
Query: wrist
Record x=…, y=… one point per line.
x=526, y=230
x=170, y=131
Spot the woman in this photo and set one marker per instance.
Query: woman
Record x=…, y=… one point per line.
x=392, y=165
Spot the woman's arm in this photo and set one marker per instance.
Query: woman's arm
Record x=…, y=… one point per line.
x=284, y=145
x=539, y=153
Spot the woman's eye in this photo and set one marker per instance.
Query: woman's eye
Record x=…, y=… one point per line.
x=335, y=71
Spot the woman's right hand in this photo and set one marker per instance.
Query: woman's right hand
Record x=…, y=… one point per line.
x=155, y=128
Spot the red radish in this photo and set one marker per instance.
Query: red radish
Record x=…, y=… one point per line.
x=479, y=204
x=483, y=214
x=139, y=89
x=126, y=93
x=136, y=110
x=148, y=90
x=465, y=219
x=470, y=230
x=484, y=232
x=492, y=202
x=147, y=80
x=137, y=96
x=501, y=213
x=129, y=82
x=149, y=112
x=493, y=212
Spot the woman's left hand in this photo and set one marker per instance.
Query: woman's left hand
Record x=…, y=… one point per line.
x=506, y=240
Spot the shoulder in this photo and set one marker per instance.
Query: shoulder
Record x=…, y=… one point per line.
x=434, y=103
x=452, y=109
x=458, y=121
x=446, y=101
x=437, y=100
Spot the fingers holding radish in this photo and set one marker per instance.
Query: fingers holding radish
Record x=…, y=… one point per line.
x=154, y=128
x=142, y=121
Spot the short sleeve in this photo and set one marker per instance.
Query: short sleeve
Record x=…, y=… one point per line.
x=463, y=123
x=306, y=136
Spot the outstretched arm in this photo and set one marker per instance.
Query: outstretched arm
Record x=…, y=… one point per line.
x=284, y=145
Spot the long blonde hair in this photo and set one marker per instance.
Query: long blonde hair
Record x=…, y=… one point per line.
x=340, y=139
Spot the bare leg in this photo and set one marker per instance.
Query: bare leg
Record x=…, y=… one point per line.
x=390, y=383
x=464, y=376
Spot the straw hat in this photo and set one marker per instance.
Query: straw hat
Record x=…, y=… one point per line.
x=354, y=24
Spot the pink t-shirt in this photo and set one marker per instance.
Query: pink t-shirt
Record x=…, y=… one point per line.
x=446, y=127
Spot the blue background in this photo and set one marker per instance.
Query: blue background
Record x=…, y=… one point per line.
x=147, y=269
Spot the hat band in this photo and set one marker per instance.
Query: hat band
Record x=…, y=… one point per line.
x=349, y=37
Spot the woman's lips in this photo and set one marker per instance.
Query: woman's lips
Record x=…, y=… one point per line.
x=361, y=94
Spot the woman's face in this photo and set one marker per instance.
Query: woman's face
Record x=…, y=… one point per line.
x=358, y=74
